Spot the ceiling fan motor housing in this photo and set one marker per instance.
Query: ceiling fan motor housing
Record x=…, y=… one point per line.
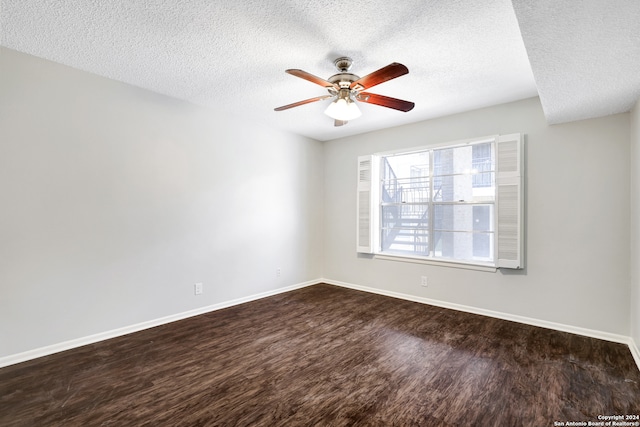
x=343, y=80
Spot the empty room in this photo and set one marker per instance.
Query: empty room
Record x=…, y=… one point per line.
x=319, y=213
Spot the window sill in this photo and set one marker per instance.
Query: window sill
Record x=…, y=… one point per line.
x=452, y=264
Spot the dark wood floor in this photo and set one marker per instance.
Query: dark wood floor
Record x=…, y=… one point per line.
x=327, y=356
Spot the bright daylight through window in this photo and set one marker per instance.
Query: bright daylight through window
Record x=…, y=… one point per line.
x=460, y=202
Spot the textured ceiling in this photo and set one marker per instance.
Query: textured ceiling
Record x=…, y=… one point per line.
x=231, y=54
x=585, y=55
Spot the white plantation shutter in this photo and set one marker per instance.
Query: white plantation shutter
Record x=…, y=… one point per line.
x=510, y=201
x=364, y=239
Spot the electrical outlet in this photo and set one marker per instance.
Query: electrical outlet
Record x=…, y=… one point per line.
x=197, y=288
x=423, y=281
x=278, y=272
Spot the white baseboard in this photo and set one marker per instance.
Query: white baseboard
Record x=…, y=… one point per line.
x=607, y=336
x=79, y=342
x=635, y=351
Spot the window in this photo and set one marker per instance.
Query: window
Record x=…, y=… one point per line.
x=460, y=202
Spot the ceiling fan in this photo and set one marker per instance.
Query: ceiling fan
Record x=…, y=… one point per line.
x=346, y=88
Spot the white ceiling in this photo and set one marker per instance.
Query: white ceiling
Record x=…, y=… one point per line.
x=585, y=55
x=231, y=54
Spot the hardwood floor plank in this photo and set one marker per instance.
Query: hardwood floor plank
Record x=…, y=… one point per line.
x=326, y=356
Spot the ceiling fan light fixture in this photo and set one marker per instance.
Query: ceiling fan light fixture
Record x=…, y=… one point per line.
x=343, y=108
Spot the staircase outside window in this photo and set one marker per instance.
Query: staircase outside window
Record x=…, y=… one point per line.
x=439, y=203
x=460, y=203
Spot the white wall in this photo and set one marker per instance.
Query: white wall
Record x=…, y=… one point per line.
x=635, y=224
x=577, y=220
x=115, y=201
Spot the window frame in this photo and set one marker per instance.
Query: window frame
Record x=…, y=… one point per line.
x=374, y=246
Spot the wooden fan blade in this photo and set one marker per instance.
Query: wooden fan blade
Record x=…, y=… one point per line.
x=340, y=123
x=385, y=101
x=384, y=74
x=313, y=79
x=306, y=101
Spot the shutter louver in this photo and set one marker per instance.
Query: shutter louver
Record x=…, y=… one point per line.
x=508, y=222
x=364, y=209
x=510, y=202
